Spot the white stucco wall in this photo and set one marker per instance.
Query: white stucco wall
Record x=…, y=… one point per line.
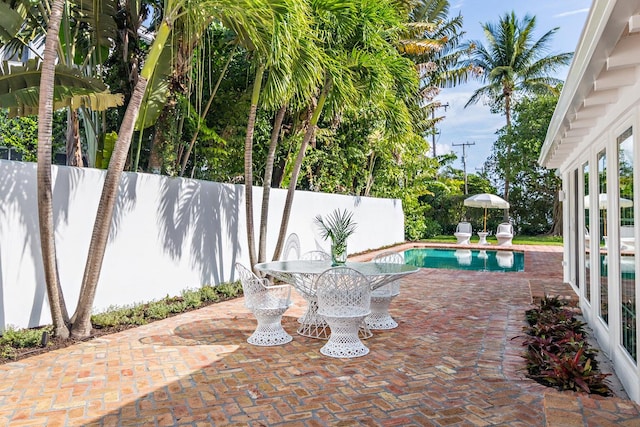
x=168, y=234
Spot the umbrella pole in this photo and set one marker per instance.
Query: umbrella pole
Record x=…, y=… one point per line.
x=485, y=220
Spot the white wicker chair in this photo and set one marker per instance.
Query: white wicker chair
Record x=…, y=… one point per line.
x=504, y=234
x=316, y=255
x=291, y=247
x=344, y=298
x=268, y=303
x=381, y=297
x=463, y=233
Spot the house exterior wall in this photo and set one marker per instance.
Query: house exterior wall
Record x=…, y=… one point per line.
x=168, y=234
x=593, y=142
x=608, y=259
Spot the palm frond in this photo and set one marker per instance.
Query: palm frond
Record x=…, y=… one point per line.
x=19, y=89
x=337, y=226
x=10, y=22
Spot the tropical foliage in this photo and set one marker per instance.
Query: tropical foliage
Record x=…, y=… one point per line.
x=535, y=207
x=337, y=226
x=558, y=353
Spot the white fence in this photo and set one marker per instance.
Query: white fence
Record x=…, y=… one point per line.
x=167, y=234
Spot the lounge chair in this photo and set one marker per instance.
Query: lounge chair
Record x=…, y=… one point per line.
x=627, y=238
x=463, y=256
x=504, y=259
x=504, y=234
x=587, y=238
x=463, y=233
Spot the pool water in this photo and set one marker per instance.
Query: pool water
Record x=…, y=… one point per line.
x=465, y=259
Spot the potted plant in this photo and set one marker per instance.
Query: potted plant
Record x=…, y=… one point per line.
x=337, y=226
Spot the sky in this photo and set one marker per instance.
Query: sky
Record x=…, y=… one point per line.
x=475, y=124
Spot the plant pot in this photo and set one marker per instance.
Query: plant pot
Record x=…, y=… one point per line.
x=338, y=253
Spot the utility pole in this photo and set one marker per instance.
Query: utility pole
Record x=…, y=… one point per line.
x=433, y=117
x=464, y=161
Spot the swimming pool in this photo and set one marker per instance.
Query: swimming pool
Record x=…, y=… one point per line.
x=465, y=259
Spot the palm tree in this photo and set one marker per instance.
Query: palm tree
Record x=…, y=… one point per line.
x=363, y=66
x=432, y=40
x=81, y=321
x=59, y=313
x=239, y=14
x=513, y=63
x=288, y=65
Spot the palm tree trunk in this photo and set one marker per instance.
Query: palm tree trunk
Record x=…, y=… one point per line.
x=248, y=165
x=369, y=183
x=74, y=147
x=59, y=314
x=82, y=318
x=296, y=171
x=81, y=321
x=266, y=185
x=507, y=166
x=556, y=226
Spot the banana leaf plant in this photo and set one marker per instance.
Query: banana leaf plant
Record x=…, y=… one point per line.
x=87, y=33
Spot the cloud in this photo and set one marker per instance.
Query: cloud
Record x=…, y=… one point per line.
x=571, y=12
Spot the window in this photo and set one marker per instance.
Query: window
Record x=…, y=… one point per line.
x=602, y=231
x=628, y=322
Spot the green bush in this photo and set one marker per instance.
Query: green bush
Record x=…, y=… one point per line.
x=192, y=298
x=114, y=316
x=13, y=339
x=157, y=310
x=208, y=293
x=431, y=228
x=22, y=338
x=230, y=290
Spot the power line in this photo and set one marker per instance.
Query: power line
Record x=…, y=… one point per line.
x=464, y=145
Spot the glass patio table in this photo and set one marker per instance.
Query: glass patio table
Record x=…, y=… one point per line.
x=302, y=274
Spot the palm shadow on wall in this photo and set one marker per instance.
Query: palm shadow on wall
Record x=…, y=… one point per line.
x=18, y=185
x=206, y=211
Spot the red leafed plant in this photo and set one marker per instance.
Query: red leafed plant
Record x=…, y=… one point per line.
x=557, y=352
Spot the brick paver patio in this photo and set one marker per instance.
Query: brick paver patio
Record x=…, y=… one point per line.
x=454, y=360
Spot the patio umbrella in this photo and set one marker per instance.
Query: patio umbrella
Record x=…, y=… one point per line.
x=602, y=205
x=486, y=201
x=602, y=201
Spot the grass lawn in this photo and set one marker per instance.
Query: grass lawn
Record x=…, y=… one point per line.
x=517, y=240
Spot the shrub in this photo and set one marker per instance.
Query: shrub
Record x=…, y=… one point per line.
x=114, y=316
x=19, y=338
x=192, y=298
x=13, y=339
x=230, y=290
x=208, y=293
x=155, y=310
x=558, y=354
